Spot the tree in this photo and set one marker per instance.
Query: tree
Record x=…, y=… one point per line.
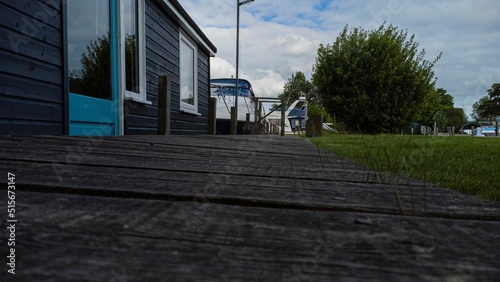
x=375, y=80
x=445, y=99
x=446, y=114
x=296, y=86
x=456, y=117
x=429, y=106
x=491, y=107
x=477, y=113
x=441, y=120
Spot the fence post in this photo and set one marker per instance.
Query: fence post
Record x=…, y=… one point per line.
x=283, y=116
x=247, y=123
x=164, y=108
x=256, y=116
x=234, y=122
x=314, y=126
x=212, y=116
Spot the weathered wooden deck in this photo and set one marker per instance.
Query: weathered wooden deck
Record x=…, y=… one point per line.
x=231, y=208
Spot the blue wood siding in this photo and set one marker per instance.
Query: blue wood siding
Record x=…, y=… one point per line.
x=162, y=58
x=31, y=68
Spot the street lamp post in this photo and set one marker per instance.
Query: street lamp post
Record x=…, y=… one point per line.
x=234, y=124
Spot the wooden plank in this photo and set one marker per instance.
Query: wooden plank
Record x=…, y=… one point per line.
x=26, y=127
x=32, y=49
x=14, y=86
x=250, y=191
x=166, y=25
x=221, y=171
x=71, y=237
x=25, y=28
x=38, y=14
x=259, y=160
x=29, y=68
x=23, y=109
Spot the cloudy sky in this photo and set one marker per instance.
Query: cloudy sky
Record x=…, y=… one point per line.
x=280, y=37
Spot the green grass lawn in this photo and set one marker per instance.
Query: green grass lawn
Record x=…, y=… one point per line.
x=470, y=165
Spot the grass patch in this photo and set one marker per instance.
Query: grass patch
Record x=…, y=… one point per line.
x=470, y=165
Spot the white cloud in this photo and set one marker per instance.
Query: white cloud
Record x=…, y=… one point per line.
x=280, y=37
x=266, y=82
x=220, y=68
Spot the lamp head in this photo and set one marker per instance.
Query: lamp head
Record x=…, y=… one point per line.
x=240, y=3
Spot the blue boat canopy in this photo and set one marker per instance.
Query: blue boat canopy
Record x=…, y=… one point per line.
x=227, y=87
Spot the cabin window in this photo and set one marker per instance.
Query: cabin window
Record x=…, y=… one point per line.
x=188, y=75
x=133, y=50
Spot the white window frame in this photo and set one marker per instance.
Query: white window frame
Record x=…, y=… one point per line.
x=140, y=97
x=185, y=107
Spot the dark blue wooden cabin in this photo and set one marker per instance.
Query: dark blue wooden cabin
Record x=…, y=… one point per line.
x=77, y=67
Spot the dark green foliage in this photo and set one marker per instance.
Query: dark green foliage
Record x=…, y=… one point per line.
x=491, y=107
x=445, y=99
x=296, y=86
x=441, y=120
x=455, y=117
x=477, y=113
x=313, y=110
x=376, y=81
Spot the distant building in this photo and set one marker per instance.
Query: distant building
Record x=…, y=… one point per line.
x=78, y=67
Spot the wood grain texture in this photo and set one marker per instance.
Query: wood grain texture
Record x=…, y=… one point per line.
x=233, y=208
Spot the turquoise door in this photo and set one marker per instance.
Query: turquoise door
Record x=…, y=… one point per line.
x=93, y=67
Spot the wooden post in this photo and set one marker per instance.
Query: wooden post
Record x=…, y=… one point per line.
x=234, y=122
x=259, y=124
x=212, y=116
x=283, y=117
x=435, y=129
x=496, y=129
x=412, y=131
x=256, y=116
x=164, y=108
x=452, y=131
x=256, y=125
x=314, y=126
x=247, y=123
x=472, y=131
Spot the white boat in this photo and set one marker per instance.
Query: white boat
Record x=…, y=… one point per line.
x=486, y=129
x=295, y=118
x=224, y=89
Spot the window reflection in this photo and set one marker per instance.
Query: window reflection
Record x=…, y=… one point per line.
x=131, y=30
x=89, y=56
x=187, y=73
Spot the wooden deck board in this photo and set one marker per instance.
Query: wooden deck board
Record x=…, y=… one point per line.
x=204, y=241
x=188, y=208
x=251, y=190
